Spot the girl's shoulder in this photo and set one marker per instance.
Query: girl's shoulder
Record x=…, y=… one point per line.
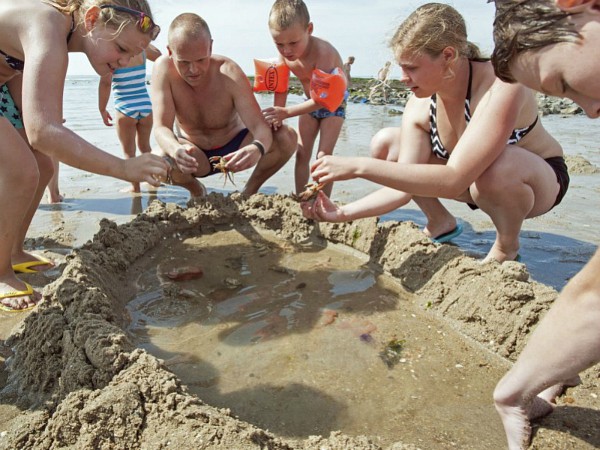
x=417, y=109
x=486, y=84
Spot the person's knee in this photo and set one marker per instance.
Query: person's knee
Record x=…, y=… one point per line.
x=27, y=177
x=285, y=140
x=497, y=180
x=381, y=143
x=45, y=167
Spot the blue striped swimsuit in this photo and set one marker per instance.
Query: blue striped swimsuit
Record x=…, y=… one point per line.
x=130, y=93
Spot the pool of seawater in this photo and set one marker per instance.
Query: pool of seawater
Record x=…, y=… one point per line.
x=308, y=340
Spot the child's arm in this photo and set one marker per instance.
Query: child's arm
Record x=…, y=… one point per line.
x=103, y=96
x=152, y=53
x=275, y=115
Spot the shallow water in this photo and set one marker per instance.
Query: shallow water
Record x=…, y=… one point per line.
x=304, y=341
x=554, y=246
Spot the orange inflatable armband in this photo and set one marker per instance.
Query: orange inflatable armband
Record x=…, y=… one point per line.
x=328, y=89
x=270, y=76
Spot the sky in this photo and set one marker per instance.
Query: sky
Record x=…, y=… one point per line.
x=358, y=28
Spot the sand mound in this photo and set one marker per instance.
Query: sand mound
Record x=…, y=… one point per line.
x=84, y=385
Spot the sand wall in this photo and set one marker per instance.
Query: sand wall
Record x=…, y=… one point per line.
x=82, y=384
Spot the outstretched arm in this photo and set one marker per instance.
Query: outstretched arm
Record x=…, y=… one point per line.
x=43, y=79
x=481, y=143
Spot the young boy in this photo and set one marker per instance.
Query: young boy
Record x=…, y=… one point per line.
x=552, y=46
x=291, y=29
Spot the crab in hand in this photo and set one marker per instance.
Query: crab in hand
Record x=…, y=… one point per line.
x=220, y=163
x=309, y=193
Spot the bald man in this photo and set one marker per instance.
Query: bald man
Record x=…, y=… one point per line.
x=204, y=107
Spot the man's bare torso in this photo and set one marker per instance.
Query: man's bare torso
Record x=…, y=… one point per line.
x=206, y=114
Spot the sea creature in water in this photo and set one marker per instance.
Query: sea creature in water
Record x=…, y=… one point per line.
x=185, y=273
x=220, y=163
x=309, y=193
x=328, y=316
x=392, y=352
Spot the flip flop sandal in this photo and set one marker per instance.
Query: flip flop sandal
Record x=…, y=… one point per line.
x=12, y=294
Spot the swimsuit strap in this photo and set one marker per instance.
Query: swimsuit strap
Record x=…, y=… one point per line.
x=468, y=96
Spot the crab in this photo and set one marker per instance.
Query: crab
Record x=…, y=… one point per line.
x=220, y=163
x=311, y=191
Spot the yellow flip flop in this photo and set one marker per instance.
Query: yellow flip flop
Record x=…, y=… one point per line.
x=12, y=294
x=26, y=267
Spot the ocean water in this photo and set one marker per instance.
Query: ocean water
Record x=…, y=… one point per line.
x=554, y=246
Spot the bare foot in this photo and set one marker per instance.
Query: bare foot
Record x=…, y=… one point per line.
x=501, y=256
x=516, y=425
x=438, y=229
x=55, y=197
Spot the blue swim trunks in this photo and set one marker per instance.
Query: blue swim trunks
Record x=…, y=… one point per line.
x=324, y=113
x=232, y=146
x=8, y=108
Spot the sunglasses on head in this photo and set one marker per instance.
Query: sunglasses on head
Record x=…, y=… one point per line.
x=145, y=23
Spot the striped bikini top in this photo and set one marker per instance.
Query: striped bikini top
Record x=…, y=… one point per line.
x=438, y=148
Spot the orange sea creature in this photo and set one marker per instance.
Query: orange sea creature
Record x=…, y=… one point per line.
x=310, y=192
x=220, y=163
x=185, y=273
x=328, y=316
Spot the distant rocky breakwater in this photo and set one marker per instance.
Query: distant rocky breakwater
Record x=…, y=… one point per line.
x=397, y=94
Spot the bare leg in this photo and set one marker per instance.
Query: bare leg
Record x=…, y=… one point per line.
x=557, y=350
x=19, y=183
x=45, y=170
x=329, y=131
x=518, y=185
x=126, y=131
x=386, y=145
x=308, y=128
x=439, y=219
x=284, y=145
x=54, y=195
x=143, y=132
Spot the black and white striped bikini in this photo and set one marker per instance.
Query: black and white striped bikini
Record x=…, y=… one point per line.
x=436, y=143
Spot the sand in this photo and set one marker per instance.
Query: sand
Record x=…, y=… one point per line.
x=74, y=379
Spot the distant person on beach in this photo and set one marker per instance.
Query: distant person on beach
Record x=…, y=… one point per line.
x=552, y=46
x=291, y=29
x=347, y=69
x=465, y=135
x=132, y=103
x=35, y=41
x=381, y=82
x=204, y=107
